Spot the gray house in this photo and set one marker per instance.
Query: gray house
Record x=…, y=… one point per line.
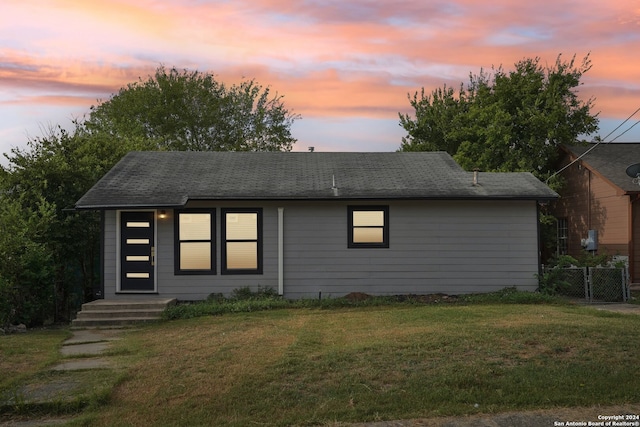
x=188, y=224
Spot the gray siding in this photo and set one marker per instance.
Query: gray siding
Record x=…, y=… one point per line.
x=450, y=247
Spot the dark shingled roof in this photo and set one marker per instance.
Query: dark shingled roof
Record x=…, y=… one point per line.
x=611, y=161
x=171, y=179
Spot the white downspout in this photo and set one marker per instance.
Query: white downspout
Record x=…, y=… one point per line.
x=280, y=251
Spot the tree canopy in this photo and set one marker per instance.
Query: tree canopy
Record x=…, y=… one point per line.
x=50, y=251
x=191, y=110
x=506, y=121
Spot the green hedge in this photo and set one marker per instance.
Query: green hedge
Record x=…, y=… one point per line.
x=244, y=300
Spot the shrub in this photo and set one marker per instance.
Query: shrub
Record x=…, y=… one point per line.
x=246, y=293
x=554, y=282
x=26, y=269
x=6, y=303
x=244, y=300
x=559, y=280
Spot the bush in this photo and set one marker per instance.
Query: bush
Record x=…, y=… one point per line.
x=246, y=294
x=561, y=280
x=244, y=300
x=555, y=281
x=6, y=303
x=26, y=292
x=216, y=308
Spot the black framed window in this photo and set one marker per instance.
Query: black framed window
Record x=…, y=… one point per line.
x=368, y=226
x=241, y=241
x=195, y=246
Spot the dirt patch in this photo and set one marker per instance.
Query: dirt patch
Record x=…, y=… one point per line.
x=357, y=296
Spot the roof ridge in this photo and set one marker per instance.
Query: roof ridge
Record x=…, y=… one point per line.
x=169, y=178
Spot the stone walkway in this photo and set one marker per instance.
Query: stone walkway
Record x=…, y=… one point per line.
x=83, y=351
x=84, y=347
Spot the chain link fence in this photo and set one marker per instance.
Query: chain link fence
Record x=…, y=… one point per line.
x=595, y=284
x=609, y=284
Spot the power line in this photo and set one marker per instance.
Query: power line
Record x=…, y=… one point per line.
x=630, y=127
x=620, y=125
x=600, y=142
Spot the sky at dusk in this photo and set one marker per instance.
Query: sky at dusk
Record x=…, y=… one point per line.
x=345, y=66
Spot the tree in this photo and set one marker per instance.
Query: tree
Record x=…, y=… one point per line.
x=26, y=288
x=53, y=172
x=191, y=110
x=50, y=251
x=513, y=121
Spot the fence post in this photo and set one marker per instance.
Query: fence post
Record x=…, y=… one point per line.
x=625, y=288
x=588, y=286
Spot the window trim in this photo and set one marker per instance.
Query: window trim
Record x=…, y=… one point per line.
x=385, y=226
x=562, y=239
x=176, y=231
x=223, y=241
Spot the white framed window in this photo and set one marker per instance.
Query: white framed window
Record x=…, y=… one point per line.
x=563, y=236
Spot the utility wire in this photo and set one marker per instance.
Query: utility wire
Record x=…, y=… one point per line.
x=619, y=126
x=628, y=129
x=600, y=142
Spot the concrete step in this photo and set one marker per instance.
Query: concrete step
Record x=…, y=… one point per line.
x=102, y=305
x=111, y=323
x=119, y=313
x=110, y=314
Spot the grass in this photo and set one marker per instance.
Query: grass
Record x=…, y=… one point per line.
x=319, y=367
x=28, y=386
x=245, y=301
x=335, y=361
x=24, y=355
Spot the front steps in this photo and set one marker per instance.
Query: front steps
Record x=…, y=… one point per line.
x=119, y=313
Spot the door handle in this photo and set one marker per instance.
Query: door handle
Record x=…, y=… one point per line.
x=153, y=255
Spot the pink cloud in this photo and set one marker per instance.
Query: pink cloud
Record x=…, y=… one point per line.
x=331, y=59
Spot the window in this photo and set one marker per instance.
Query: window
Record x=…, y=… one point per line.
x=195, y=242
x=242, y=241
x=368, y=226
x=563, y=236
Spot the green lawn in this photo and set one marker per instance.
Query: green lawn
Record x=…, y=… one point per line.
x=24, y=355
x=314, y=367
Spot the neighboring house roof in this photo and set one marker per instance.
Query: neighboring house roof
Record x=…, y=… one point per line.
x=611, y=161
x=171, y=179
